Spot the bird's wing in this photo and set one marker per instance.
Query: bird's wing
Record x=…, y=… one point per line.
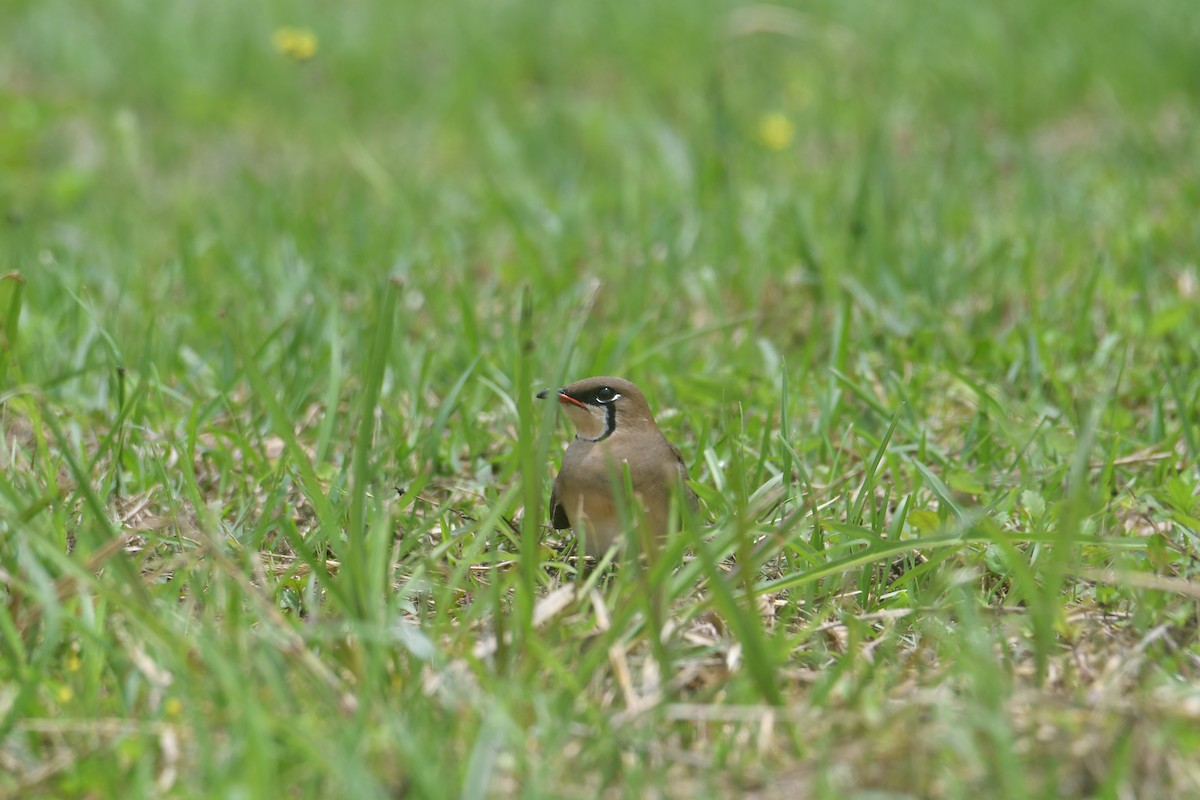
x=692, y=500
x=558, y=514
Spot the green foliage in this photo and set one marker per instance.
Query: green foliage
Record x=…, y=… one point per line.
x=912, y=285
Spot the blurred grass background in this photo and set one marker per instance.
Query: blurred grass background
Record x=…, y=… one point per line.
x=906, y=275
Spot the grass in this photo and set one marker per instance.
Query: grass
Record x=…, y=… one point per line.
x=912, y=285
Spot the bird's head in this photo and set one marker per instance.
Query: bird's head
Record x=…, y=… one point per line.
x=600, y=406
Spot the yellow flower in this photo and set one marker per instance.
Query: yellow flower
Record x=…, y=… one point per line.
x=776, y=131
x=298, y=44
x=173, y=707
x=64, y=694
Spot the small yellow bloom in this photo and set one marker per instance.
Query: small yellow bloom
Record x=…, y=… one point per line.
x=64, y=694
x=173, y=707
x=298, y=44
x=776, y=131
x=73, y=663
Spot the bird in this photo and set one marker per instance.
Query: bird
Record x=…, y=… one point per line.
x=614, y=428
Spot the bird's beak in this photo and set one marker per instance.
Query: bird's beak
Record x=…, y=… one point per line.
x=563, y=397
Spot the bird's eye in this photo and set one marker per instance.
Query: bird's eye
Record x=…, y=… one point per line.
x=606, y=395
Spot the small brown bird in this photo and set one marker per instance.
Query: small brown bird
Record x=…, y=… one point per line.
x=614, y=428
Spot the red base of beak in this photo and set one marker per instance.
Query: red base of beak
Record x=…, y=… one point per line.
x=566, y=399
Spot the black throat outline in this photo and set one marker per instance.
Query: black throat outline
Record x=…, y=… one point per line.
x=610, y=425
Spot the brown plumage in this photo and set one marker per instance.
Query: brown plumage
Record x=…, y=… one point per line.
x=614, y=427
